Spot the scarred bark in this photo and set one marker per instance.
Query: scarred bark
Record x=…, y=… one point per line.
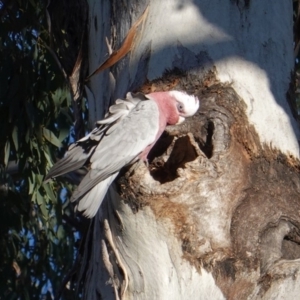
x=231, y=204
x=215, y=215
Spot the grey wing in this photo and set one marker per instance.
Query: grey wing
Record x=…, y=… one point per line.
x=74, y=159
x=80, y=152
x=91, y=201
x=122, y=146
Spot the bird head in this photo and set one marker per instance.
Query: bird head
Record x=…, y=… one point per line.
x=175, y=105
x=187, y=105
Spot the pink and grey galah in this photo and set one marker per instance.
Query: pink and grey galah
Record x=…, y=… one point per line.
x=126, y=135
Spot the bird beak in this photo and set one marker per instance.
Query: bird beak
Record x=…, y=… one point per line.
x=180, y=120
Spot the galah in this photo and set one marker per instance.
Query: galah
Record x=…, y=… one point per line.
x=126, y=134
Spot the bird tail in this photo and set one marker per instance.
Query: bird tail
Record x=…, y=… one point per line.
x=74, y=159
x=91, y=201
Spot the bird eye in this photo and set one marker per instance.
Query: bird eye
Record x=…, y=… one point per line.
x=180, y=107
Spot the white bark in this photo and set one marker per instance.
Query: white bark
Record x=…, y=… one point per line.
x=252, y=49
x=100, y=87
x=239, y=44
x=153, y=257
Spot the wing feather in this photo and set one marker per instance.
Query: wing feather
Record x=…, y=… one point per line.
x=128, y=128
x=135, y=132
x=79, y=153
x=91, y=201
x=75, y=159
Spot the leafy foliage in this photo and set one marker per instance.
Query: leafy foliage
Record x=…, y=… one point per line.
x=36, y=244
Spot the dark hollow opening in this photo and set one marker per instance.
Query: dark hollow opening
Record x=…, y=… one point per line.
x=290, y=247
x=206, y=141
x=182, y=152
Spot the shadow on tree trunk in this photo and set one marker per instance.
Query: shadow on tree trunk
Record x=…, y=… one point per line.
x=231, y=202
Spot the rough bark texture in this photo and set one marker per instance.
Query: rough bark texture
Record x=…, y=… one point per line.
x=216, y=170
x=215, y=215
x=231, y=204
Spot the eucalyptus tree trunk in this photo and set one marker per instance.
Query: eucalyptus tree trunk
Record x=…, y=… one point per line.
x=216, y=214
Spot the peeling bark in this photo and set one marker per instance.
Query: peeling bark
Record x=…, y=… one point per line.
x=215, y=215
x=231, y=203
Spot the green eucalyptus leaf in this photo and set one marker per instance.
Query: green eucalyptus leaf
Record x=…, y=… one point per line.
x=63, y=134
x=50, y=193
x=60, y=232
x=42, y=204
x=15, y=138
x=48, y=158
x=39, y=179
x=50, y=137
x=33, y=197
x=31, y=184
x=6, y=152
